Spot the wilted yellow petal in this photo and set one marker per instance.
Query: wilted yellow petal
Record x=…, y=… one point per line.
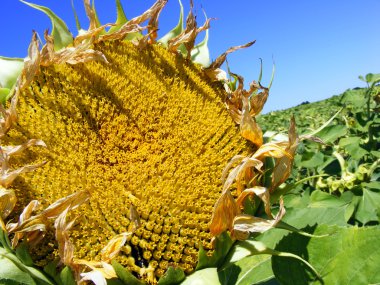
x=257, y=102
x=7, y=178
x=284, y=165
x=112, y=249
x=8, y=116
x=71, y=202
x=275, y=150
x=224, y=212
x=259, y=191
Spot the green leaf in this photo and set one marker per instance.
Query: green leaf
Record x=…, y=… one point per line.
x=311, y=159
x=331, y=133
x=200, y=53
x=223, y=244
x=204, y=276
x=349, y=255
x=369, y=206
x=10, y=273
x=4, y=94
x=67, y=277
x=352, y=146
x=176, y=30
x=172, y=276
x=10, y=69
x=60, y=32
x=22, y=252
x=124, y=275
x=121, y=18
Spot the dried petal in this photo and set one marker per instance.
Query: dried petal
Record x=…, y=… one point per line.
x=14, y=150
x=224, y=212
x=7, y=203
x=31, y=63
x=65, y=247
x=245, y=224
x=249, y=129
x=9, y=116
x=217, y=63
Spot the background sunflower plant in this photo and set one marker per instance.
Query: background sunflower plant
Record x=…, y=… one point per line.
x=148, y=164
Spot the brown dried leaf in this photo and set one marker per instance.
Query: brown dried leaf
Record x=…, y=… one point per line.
x=225, y=210
x=249, y=129
x=244, y=224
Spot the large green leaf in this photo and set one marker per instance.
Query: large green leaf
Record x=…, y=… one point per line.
x=349, y=255
x=61, y=34
x=311, y=159
x=252, y=269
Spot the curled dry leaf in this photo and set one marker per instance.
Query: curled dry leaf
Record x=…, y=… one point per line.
x=224, y=212
x=244, y=224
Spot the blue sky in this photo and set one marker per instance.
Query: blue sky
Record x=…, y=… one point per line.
x=319, y=46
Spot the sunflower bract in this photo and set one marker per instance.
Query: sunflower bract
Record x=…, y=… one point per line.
x=149, y=132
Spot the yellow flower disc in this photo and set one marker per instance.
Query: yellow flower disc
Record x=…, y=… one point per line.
x=148, y=135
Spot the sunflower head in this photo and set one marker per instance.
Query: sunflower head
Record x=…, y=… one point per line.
x=139, y=133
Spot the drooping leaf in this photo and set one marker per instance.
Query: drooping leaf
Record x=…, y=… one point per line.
x=172, y=276
x=61, y=34
x=340, y=258
x=331, y=133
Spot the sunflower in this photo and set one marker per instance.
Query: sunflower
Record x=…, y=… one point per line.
x=129, y=136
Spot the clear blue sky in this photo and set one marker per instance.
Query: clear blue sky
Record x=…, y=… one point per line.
x=319, y=46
